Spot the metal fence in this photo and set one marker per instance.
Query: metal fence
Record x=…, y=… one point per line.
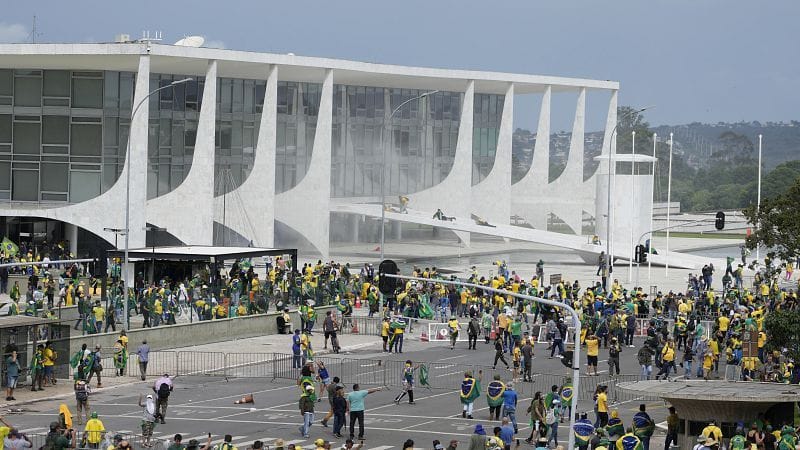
x=38, y=440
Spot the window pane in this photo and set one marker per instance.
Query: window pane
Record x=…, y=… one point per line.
x=111, y=131
x=26, y=138
x=55, y=177
x=86, y=140
x=5, y=176
x=26, y=185
x=111, y=91
x=83, y=186
x=6, y=82
x=55, y=130
x=5, y=128
x=27, y=91
x=125, y=91
x=56, y=83
x=87, y=93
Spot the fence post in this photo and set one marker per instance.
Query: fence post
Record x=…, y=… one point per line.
x=274, y=366
x=178, y=364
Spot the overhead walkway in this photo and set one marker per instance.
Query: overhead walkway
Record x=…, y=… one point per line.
x=586, y=249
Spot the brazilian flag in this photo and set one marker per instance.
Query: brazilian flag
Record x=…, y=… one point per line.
x=583, y=432
x=629, y=442
x=425, y=311
x=643, y=425
x=566, y=395
x=470, y=390
x=307, y=381
x=494, y=393
x=10, y=249
x=615, y=427
x=423, y=376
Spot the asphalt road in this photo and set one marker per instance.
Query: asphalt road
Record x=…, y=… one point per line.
x=201, y=405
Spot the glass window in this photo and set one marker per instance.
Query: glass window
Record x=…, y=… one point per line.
x=25, y=185
x=225, y=95
x=26, y=138
x=5, y=176
x=5, y=128
x=111, y=91
x=86, y=140
x=55, y=130
x=111, y=131
x=178, y=97
x=28, y=91
x=165, y=133
x=126, y=82
x=238, y=96
x=83, y=186
x=87, y=92
x=55, y=177
x=56, y=83
x=6, y=82
x=249, y=92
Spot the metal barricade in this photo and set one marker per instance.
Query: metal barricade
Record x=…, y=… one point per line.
x=200, y=363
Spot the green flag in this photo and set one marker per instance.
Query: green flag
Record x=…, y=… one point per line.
x=423, y=375
x=9, y=248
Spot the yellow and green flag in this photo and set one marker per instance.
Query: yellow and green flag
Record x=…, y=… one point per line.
x=9, y=247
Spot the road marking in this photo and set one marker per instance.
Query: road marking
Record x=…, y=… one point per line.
x=240, y=395
x=382, y=447
x=446, y=374
x=32, y=430
x=418, y=398
x=418, y=424
x=452, y=357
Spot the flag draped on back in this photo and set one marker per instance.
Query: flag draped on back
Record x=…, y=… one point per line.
x=423, y=375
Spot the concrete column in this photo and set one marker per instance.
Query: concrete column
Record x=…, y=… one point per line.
x=138, y=156
x=530, y=196
x=354, y=220
x=71, y=234
x=397, y=230
x=602, y=178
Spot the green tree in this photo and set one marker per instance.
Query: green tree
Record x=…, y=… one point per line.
x=783, y=331
x=776, y=224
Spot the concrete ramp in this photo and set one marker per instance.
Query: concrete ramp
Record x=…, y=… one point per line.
x=580, y=244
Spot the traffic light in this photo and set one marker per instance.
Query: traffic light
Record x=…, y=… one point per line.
x=640, y=254
x=387, y=285
x=719, y=223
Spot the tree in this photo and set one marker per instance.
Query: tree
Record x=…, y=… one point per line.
x=776, y=224
x=782, y=327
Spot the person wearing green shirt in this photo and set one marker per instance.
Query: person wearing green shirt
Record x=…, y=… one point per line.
x=516, y=330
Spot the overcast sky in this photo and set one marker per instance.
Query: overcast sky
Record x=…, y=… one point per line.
x=696, y=60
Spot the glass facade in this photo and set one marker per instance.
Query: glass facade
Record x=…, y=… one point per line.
x=62, y=133
x=488, y=109
x=298, y=108
x=421, y=139
x=172, y=132
x=239, y=107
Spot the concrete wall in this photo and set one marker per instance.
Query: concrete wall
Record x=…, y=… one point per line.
x=189, y=334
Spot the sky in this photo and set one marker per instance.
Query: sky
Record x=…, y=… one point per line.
x=692, y=60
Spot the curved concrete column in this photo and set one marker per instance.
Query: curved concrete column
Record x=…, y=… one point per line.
x=193, y=200
x=256, y=219
x=529, y=195
x=490, y=197
x=453, y=194
x=300, y=207
x=568, y=188
x=108, y=208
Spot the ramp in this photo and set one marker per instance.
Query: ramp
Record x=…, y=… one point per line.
x=567, y=241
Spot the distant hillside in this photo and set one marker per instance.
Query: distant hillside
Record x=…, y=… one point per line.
x=781, y=140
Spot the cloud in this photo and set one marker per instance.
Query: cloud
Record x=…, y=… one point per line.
x=13, y=32
x=214, y=44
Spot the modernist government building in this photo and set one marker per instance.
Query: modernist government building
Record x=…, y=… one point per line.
x=270, y=149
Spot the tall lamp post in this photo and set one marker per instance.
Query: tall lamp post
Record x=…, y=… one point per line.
x=612, y=150
x=383, y=163
x=128, y=196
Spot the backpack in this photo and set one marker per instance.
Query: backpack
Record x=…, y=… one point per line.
x=163, y=391
x=81, y=394
x=50, y=441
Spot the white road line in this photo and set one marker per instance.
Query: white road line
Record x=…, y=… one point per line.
x=240, y=395
x=32, y=430
x=382, y=447
x=452, y=357
x=418, y=424
x=446, y=374
x=417, y=399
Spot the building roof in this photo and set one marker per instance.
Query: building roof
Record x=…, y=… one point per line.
x=200, y=253
x=22, y=321
x=251, y=65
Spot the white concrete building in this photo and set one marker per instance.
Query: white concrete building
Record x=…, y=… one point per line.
x=262, y=147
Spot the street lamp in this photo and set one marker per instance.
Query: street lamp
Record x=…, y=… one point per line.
x=128, y=195
x=611, y=152
x=383, y=163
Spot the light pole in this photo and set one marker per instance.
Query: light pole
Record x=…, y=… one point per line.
x=758, y=201
x=128, y=198
x=633, y=199
x=383, y=176
x=383, y=163
x=655, y=146
x=612, y=150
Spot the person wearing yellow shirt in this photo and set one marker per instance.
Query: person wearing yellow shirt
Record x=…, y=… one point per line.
x=724, y=323
x=94, y=431
x=592, y=351
x=502, y=329
x=667, y=359
x=385, y=333
x=99, y=314
x=713, y=345
x=708, y=363
x=712, y=430
x=602, y=406
x=255, y=286
x=50, y=356
x=762, y=340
